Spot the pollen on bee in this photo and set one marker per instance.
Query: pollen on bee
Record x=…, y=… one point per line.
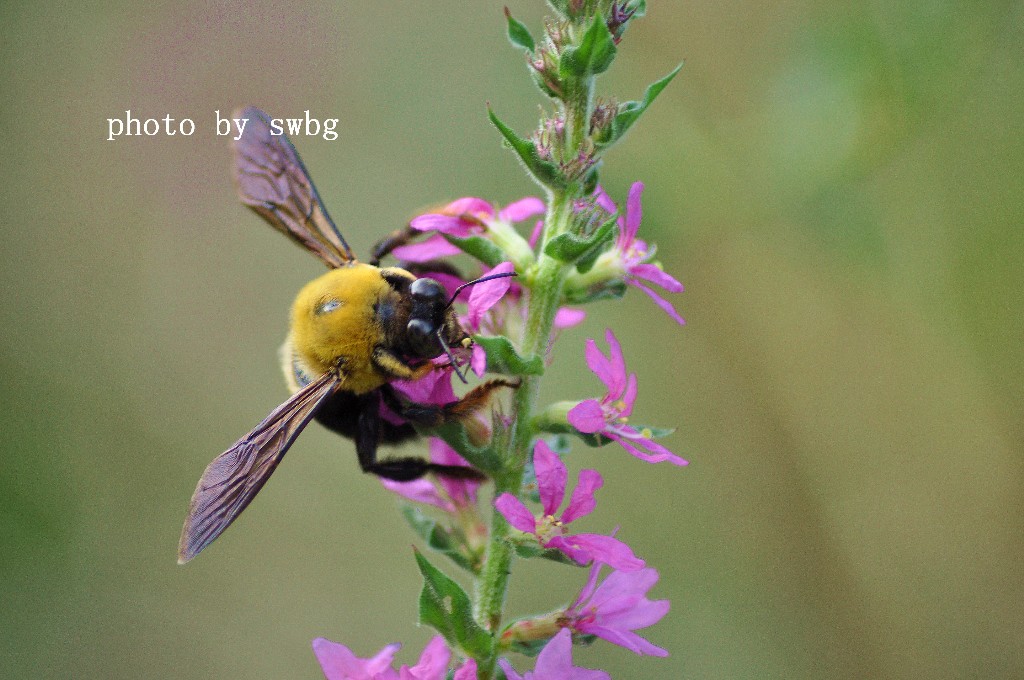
x=467, y=342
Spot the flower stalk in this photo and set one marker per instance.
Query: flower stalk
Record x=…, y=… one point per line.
x=584, y=249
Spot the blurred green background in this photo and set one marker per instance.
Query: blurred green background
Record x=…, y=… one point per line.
x=839, y=187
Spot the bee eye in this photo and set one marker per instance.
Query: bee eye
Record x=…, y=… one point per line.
x=327, y=306
x=419, y=329
x=428, y=290
x=421, y=340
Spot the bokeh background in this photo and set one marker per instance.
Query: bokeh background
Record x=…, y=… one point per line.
x=839, y=186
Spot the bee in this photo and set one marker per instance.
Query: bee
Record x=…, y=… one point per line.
x=353, y=331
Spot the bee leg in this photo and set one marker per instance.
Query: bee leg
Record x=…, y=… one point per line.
x=401, y=237
x=435, y=415
x=398, y=469
x=391, y=364
x=421, y=269
x=396, y=239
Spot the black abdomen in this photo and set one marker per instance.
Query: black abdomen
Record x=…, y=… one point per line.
x=340, y=413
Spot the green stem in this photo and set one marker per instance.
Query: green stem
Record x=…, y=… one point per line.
x=492, y=584
x=546, y=286
x=578, y=102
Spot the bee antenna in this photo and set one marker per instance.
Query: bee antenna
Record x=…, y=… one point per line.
x=451, y=357
x=476, y=281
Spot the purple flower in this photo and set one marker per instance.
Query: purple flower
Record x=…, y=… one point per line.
x=339, y=663
x=485, y=296
x=463, y=218
x=448, y=494
x=466, y=671
x=493, y=304
x=433, y=388
x=631, y=255
x=617, y=607
x=550, y=529
x=609, y=416
x=555, y=663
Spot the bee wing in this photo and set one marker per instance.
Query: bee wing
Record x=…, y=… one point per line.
x=234, y=477
x=273, y=182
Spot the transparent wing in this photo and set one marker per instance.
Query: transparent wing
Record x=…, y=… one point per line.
x=273, y=182
x=234, y=477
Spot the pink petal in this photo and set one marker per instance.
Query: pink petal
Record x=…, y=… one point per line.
x=624, y=584
x=567, y=317
x=510, y=672
x=568, y=545
x=461, y=491
x=555, y=662
x=629, y=396
x=618, y=364
x=467, y=671
x=434, y=248
x=516, y=513
x=433, y=388
x=476, y=207
x=582, y=502
x=633, y=210
x=433, y=662
x=611, y=551
x=624, y=638
x=666, y=306
x=634, y=437
x=600, y=364
x=339, y=663
x=656, y=275
x=535, y=234
x=623, y=592
x=551, y=477
x=639, y=614
x=419, y=491
x=662, y=455
x=444, y=224
x=522, y=209
x=479, y=361
x=587, y=416
x=487, y=294
x=605, y=201
x=588, y=588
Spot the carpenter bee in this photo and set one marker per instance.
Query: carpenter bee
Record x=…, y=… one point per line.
x=353, y=331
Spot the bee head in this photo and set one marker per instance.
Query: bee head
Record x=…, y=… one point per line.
x=432, y=322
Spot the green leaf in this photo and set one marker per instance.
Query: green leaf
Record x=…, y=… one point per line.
x=592, y=177
x=481, y=248
x=571, y=247
x=503, y=358
x=586, y=263
x=593, y=54
x=437, y=537
x=518, y=34
x=630, y=111
x=545, y=172
x=560, y=6
x=446, y=607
